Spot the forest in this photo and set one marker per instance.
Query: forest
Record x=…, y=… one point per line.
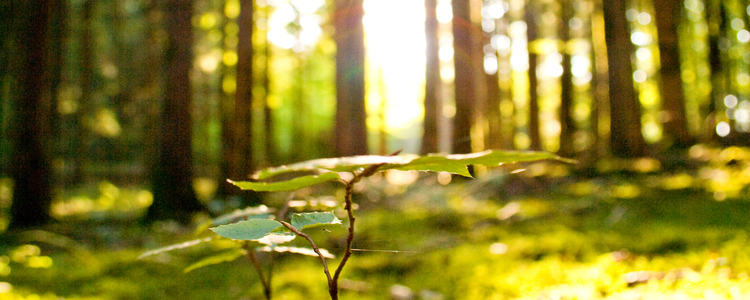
x=490, y=149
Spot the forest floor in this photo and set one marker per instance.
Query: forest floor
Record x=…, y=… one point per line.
x=635, y=231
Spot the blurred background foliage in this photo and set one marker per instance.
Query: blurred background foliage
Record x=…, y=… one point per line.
x=654, y=208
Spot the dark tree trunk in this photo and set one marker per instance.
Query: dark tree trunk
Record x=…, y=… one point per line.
x=432, y=100
x=87, y=85
x=241, y=161
x=465, y=85
x=668, y=14
x=57, y=39
x=32, y=192
x=567, y=126
x=351, y=130
x=717, y=24
x=265, y=78
x=626, y=139
x=174, y=197
x=492, y=112
x=533, y=124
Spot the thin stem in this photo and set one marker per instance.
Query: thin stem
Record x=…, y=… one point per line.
x=250, y=253
x=312, y=243
x=333, y=285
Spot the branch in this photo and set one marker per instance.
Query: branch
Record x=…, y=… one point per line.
x=250, y=253
x=312, y=243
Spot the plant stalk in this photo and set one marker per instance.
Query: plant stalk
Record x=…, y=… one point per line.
x=266, y=282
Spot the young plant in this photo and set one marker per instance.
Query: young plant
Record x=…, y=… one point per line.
x=349, y=171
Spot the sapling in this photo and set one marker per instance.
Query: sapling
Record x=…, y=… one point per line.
x=348, y=171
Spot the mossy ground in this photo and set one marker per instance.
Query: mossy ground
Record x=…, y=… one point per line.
x=621, y=235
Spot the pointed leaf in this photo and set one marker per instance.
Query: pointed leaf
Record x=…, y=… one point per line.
x=456, y=163
x=289, y=185
x=216, y=259
x=340, y=164
x=247, y=230
x=174, y=247
x=298, y=250
x=255, y=212
x=314, y=219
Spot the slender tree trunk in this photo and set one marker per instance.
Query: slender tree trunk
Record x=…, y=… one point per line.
x=242, y=158
x=57, y=39
x=717, y=24
x=32, y=175
x=492, y=112
x=174, y=197
x=433, y=83
x=351, y=129
x=465, y=85
x=533, y=124
x=668, y=14
x=626, y=139
x=269, y=138
x=87, y=85
x=567, y=126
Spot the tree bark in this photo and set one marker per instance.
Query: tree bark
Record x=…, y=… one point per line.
x=672, y=96
x=433, y=82
x=351, y=129
x=465, y=85
x=626, y=139
x=174, y=197
x=32, y=191
x=567, y=126
x=87, y=85
x=533, y=123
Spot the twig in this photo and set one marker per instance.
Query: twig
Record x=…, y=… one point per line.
x=312, y=243
x=333, y=288
x=250, y=253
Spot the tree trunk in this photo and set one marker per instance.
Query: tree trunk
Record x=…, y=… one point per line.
x=242, y=159
x=626, y=139
x=433, y=82
x=533, y=124
x=174, y=197
x=717, y=23
x=32, y=192
x=672, y=96
x=465, y=85
x=567, y=126
x=351, y=129
x=492, y=112
x=87, y=85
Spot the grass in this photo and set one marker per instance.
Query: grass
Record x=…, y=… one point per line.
x=623, y=235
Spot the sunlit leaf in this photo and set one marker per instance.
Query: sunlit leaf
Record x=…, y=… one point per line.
x=255, y=212
x=297, y=250
x=216, y=259
x=453, y=163
x=288, y=185
x=275, y=239
x=247, y=230
x=174, y=247
x=340, y=164
x=314, y=219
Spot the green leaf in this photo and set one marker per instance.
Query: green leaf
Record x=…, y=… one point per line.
x=339, y=164
x=456, y=163
x=314, y=219
x=227, y=256
x=289, y=185
x=247, y=230
x=297, y=250
x=174, y=247
x=453, y=163
x=255, y=212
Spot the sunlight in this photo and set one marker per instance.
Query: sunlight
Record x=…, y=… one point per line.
x=395, y=45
